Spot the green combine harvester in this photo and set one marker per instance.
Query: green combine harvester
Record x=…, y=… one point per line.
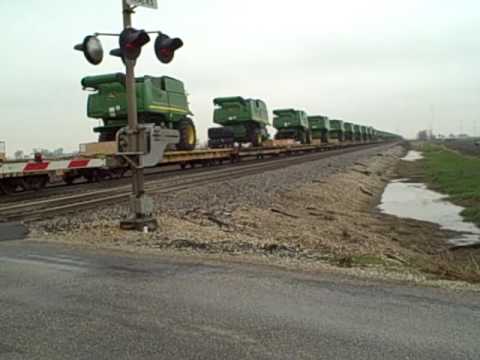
x=242, y=121
x=357, y=133
x=337, y=130
x=319, y=127
x=349, y=131
x=364, y=131
x=160, y=100
x=292, y=124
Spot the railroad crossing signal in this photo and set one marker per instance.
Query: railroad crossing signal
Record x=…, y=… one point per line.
x=131, y=42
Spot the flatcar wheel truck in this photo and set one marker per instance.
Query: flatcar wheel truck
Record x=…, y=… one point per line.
x=242, y=121
x=160, y=100
x=292, y=124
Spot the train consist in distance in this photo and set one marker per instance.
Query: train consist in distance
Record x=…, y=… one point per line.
x=163, y=101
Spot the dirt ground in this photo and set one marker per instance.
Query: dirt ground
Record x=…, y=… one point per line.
x=332, y=221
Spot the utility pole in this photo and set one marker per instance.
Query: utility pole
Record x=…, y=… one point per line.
x=432, y=121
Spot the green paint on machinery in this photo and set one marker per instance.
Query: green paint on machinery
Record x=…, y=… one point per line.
x=242, y=120
x=349, y=131
x=292, y=124
x=160, y=100
x=319, y=127
x=337, y=130
x=357, y=132
x=364, y=132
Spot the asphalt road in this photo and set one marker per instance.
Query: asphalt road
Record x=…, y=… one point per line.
x=64, y=303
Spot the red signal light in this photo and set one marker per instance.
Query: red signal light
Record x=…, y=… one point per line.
x=131, y=42
x=165, y=47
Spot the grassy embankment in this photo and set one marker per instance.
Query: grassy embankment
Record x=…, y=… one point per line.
x=456, y=175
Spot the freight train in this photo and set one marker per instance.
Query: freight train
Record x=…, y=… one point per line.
x=162, y=101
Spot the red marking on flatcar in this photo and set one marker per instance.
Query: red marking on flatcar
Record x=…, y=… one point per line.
x=80, y=163
x=37, y=166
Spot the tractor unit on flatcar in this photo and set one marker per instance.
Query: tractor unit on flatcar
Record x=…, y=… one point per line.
x=242, y=121
x=160, y=100
x=292, y=124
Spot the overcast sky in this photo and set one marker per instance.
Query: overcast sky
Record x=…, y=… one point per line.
x=385, y=63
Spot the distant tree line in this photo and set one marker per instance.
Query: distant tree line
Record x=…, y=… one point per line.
x=50, y=154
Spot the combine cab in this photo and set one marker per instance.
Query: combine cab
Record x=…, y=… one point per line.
x=160, y=100
x=242, y=121
x=337, y=130
x=319, y=127
x=292, y=124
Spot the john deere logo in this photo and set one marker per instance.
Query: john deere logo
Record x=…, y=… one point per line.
x=112, y=95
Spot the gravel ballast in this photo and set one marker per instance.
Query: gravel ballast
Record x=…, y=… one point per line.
x=221, y=197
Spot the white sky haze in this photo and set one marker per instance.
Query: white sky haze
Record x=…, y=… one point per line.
x=384, y=63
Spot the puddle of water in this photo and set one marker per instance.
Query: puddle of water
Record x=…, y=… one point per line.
x=413, y=156
x=415, y=201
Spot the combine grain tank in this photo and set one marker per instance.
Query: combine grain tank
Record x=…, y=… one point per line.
x=337, y=130
x=160, y=100
x=292, y=124
x=242, y=121
x=319, y=127
x=349, y=132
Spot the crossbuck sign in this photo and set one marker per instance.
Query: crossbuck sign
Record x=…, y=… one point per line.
x=144, y=3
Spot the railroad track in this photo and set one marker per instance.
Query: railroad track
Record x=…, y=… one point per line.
x=42, y=209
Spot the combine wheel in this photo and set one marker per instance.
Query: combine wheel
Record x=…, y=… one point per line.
x=188, y=134
x=302, y=137
x=255, y=136
x=308, y=136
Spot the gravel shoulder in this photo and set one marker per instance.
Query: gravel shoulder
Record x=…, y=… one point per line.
x=316, y=216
